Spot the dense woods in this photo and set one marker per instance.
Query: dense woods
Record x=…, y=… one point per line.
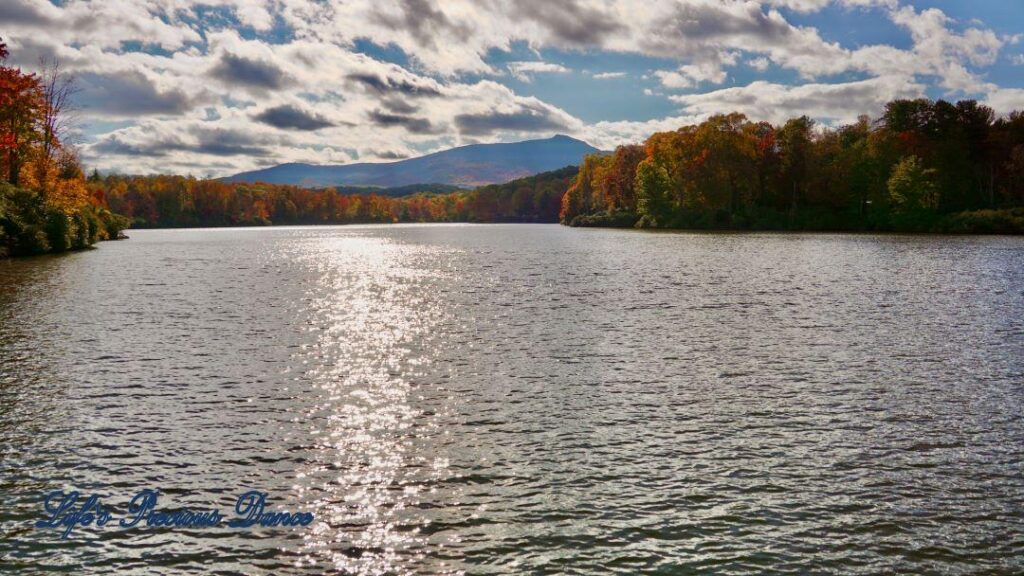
x=923, y=166
x=45, y=205
x=177, y=201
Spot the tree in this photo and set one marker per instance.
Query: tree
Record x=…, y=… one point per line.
x=795, y=141
x=22, y=106
x=912, y=186
x=59, y=89
x=579, y=198
x=1015, y=174
x=725, y=164
x=766, y=156
x=652, y=186
x=621, y=176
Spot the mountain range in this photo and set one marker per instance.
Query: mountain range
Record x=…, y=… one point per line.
x=465, y=166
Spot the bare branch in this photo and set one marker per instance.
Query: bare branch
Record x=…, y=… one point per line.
x=61, y=113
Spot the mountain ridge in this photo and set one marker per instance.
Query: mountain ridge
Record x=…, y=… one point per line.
x=464, y=166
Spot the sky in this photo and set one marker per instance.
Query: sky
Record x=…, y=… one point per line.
x=214, y=87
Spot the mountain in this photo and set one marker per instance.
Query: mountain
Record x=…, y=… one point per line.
x=399, y=191
x=466, y=166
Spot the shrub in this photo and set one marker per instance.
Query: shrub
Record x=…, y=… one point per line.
x=1010, y=221
x=28, y=226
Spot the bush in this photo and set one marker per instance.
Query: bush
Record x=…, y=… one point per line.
x=112, y=224
x=1009, y=221
x=646, y=222
x=616, y=219
x=59, y=231
x=28, y=226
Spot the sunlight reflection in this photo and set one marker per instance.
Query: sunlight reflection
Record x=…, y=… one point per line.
x=373, y=459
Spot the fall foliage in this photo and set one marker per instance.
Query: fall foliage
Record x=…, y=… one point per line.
x=45, y=205
x=923, y=165
x=177, y=201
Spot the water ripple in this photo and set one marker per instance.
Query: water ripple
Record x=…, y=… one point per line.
x=523, y=399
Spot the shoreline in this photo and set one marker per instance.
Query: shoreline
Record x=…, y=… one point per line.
x=583, y=228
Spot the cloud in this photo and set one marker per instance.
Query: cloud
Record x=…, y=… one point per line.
x=424, y=22
x=523, y=70
x=939, y=51
x=411, y=124
x=760, y=64
x=387, y=154
x=1005, y=100
x=816, y=5
x=399, y=106
x=244, y=71
x=102, y=24
x=569, y=22
x=384, y=85
x=228, y=142
x=609, y=75
x=704, y=31
x=132, y=93
x=211, y=141
x=27, y=13
x=841, y=102
x=290, y=117
x=528, y=118
x=690, y=75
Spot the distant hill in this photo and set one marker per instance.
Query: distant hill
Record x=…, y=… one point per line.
x=399, y=191
x=465, y=167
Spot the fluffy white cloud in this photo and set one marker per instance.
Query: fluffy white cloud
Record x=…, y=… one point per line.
x=522, y=70
x=1005, y=100
x=761, y=64
x=815, y=5
x=689, y=75
x=104, y=24
x=776, y=103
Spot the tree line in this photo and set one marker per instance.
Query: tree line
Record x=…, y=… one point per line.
x=45, y=205
x=179, y=201
x=923, y=166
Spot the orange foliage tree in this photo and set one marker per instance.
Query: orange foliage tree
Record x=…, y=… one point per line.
x=22, y=105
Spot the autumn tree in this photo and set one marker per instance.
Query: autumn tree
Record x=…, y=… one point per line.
x=620, y=178
x=22, y=106
x=912, y=186
x=725, y=169
x=652, y=192
x=795, y=140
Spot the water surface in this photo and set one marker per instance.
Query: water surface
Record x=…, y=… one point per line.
x=522, y=399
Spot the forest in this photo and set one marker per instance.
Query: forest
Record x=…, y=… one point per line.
x=927, y=166
x=178, y=201
x=45, y=204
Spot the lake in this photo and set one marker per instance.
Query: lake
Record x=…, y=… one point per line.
x=505, y=399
